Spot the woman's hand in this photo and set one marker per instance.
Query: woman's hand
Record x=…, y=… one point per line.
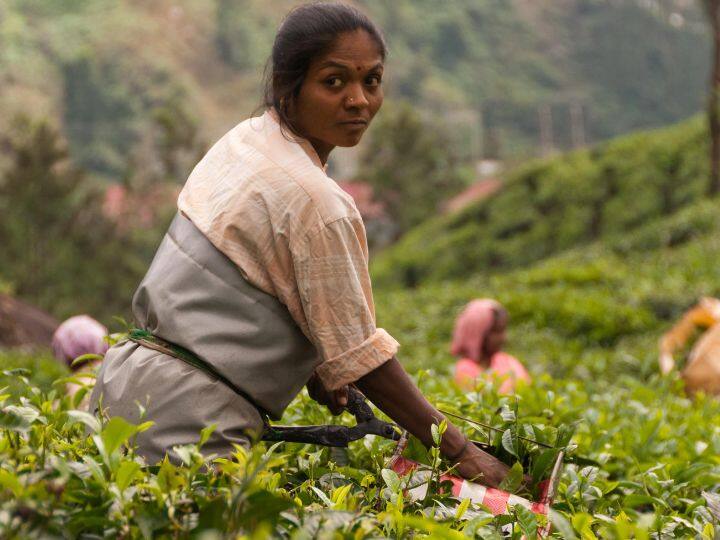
x=478, y=466
x=390, y=388
x=666, y=363
x=335, y=400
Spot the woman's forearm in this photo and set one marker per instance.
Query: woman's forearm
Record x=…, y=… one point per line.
x=390, y=388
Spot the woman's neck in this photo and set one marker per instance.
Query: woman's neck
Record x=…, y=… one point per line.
x=322, y=149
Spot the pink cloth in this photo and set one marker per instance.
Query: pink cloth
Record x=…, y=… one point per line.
x=79, y=335
x=505, y=368
x=471, y=327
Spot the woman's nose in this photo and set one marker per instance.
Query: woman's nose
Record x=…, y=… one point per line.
x=355, y=97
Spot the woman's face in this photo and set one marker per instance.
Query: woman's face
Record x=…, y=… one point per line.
x=495, y=337
x=340, y=94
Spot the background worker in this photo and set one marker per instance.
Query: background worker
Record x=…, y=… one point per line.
x=478, y=338
x=77, y=336
x=702, y=369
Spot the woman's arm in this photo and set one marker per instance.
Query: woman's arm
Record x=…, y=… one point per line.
x=701, y=315
x=390, y=388
x=342, y=328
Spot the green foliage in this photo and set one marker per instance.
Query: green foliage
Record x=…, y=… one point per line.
x=597, y=51
x=582, y=52
x=553, y=205
x=106, y=65
x=59, y=251
x=61, y=471
x=99, y=114
x=409, y=161
x=245, y=30
x=178, y=143
x=31, y=229
x=43, y=367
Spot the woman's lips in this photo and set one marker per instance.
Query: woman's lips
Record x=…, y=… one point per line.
x=358, y=122
x=354, y=125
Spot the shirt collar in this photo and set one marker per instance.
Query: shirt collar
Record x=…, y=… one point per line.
x=302, y=142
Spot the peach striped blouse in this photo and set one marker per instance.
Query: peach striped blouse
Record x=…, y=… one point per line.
x=262, y=197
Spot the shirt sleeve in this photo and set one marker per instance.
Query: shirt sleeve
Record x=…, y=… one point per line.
x=331, y=269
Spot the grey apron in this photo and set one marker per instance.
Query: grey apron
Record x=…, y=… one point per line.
x=195, y=297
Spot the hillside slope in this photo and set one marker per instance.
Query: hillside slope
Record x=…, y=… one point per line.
x=101, y=67
x=552, y=205
x=592, y=313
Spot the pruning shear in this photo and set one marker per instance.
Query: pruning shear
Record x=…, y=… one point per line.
x=333, y=435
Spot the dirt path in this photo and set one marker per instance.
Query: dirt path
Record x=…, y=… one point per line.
x=23, y=325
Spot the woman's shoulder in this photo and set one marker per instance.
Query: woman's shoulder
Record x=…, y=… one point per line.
x=256, y=164
x=292, y=164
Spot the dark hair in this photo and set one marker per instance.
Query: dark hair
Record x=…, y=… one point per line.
x=308, y=31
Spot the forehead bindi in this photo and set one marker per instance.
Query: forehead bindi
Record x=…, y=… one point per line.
x=352, y=51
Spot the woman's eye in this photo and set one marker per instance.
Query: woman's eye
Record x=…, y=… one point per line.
x=373, y=80
x=334, y=82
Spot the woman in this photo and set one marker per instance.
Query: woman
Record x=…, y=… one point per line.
x=75, y=337
x=478, y=340
x=702, y=370
x=263, y=273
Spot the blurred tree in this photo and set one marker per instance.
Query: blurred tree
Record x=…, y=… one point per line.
x=40, y=199
x=411, y=166
x=244, y=33
x=712, y=10
x=178, y=139
x=59, y=251
x=100, y=111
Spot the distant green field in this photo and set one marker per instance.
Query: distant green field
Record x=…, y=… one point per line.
x=553, y=205
x=587, y=312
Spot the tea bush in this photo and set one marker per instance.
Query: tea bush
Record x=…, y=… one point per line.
x=612, y=247
x=586, y=324
x=553, y=205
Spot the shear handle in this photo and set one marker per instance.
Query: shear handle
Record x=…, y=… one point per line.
x=332, y=435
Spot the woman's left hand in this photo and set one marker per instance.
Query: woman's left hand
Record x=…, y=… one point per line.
x=335, y=400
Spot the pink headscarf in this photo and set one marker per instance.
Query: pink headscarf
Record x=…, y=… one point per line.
x=471, y=327
x=79, y=335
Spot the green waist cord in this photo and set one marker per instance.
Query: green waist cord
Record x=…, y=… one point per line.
x=147, y=339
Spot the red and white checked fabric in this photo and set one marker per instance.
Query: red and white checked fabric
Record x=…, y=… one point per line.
x=496, y=500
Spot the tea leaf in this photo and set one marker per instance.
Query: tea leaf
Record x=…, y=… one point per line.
x=126, y=473
x=116, y=432
x=514, y=479
x=392, y=480
x=10, y=481
x=205, y=434
x=526, y=520
x=562, y=525
x=462, y=508
x=509, y=442
x=322, y=496
x=86, y=418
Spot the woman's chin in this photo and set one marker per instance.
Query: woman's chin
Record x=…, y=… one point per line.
x=349, y=140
